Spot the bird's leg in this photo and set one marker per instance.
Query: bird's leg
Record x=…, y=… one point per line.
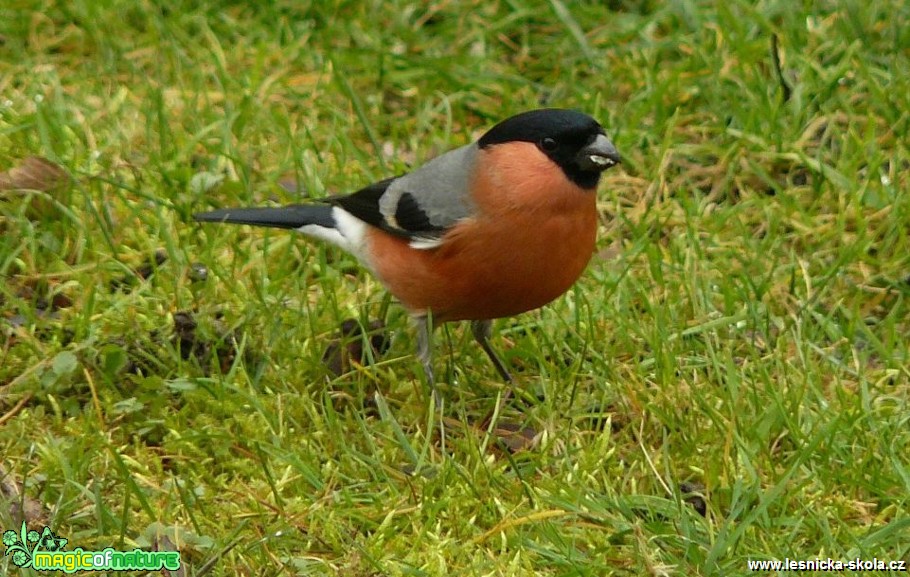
x=425, y=352
x=481, y=331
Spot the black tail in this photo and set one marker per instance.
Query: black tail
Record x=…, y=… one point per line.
x=293, y=216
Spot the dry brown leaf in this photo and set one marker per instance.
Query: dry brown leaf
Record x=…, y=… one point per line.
x=347, y=347
x=515, y=437
x=35, y=173
x=164, y=543
x=21, y=507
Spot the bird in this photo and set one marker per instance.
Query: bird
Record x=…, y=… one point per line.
x=495, y=228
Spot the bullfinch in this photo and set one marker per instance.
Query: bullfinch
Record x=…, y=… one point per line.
x=492, y=229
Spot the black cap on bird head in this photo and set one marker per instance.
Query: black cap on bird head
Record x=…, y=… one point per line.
x=573, y=140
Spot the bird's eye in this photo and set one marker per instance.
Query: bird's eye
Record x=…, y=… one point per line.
x=548, y=144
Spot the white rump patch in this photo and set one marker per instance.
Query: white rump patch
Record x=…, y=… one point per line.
x=324, y=233
x=348, y=233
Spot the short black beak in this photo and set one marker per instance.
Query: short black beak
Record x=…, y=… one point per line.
x=598, y=155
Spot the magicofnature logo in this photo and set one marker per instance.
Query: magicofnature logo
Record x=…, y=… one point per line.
x=25, y=544
x=44, y=552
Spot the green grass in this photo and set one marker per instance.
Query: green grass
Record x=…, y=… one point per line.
x=744, y=327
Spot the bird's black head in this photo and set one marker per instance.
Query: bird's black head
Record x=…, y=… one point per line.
x=573, y=140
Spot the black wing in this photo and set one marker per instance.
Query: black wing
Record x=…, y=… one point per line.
x=408, y=221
